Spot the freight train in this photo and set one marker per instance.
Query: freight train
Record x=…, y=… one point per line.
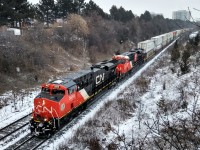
x=61, y=100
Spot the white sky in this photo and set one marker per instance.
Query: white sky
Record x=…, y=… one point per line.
x=158, y=6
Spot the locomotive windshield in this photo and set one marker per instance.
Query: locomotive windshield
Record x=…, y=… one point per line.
x=54, y=94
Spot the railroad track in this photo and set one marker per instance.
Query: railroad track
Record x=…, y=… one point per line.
x=30, y=142
x=12, y=131
x=9, y=129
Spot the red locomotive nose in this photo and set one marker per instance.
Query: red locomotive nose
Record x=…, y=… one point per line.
x=46, y=108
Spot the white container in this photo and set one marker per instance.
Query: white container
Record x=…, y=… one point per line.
x=169, y=37
x=178, y=32
x=158, y=41
x=164, y=39
x=147, y=45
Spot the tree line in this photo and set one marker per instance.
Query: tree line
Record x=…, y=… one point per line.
x=22, y=11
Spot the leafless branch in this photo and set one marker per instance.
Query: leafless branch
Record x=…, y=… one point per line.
x=196, y=9
x=194, y=22
x=178, y=24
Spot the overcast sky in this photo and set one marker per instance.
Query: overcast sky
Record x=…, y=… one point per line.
x=157, y=6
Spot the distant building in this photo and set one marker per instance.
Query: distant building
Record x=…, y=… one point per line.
x=181, y=15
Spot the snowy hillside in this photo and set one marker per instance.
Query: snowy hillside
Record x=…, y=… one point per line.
x=159, y=110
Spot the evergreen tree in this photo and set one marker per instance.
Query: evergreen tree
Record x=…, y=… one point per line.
x=46, y=11
x=129, y=15
x=175, y=54
x=185, y=64
x=77, y=6
x=121, y=14
x=92, y=7
x=64, y=7
x=114, y=12
x=146, y=16
x=4, y=13
x=15, y=11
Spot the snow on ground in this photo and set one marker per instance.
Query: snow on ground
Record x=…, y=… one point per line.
x=112, y=96
x=18, y=106
x=15, y=137
x=15, y=110
x=149, y=103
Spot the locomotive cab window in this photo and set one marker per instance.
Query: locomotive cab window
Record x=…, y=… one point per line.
x=72, y=89
x=57, y=94
x=52, y=94
x=45, y=90
x=123, y=61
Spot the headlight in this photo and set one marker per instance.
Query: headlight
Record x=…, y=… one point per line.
x=40, y=125
x=43, y=102
x=45, y=119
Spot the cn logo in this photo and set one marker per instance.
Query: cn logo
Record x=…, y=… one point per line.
x=100, y=78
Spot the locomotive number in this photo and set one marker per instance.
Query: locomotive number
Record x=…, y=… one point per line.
x=100, y=78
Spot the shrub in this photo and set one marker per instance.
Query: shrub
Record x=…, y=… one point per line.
x=175, y=53
x=184, y=65
x=94, y=144
x=142, y=84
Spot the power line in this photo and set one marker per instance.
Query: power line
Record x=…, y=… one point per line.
x=196, y=9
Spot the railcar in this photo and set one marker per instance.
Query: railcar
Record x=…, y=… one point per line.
x=158, y=42
x=148, y=47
